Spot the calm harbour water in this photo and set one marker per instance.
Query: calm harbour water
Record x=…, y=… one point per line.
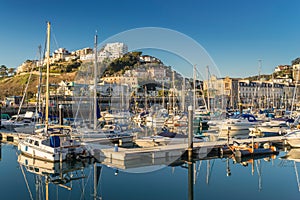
x=206, y=179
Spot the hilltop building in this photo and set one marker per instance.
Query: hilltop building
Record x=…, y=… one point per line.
x=156, y=73
x=280, y=68
x=116, y=50
x=61, y=54
x=149, y=59
x=109, y=51
x=84, y=51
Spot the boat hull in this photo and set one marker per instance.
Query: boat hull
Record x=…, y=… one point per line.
x=295, y=142
x=43, y=154
x=234, y=132
x=50, y=148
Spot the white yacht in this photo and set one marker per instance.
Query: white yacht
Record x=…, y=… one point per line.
x=235, y=127
x=270, y=128
x=55, y=144
x=20, y=121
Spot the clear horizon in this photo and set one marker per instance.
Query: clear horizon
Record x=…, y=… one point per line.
x=236, y=34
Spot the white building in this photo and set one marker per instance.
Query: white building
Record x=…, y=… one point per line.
x=131, y=81
x=65, y=88
x=110, y=51
x=116, y=49
x=261, y=94
x=60, y=54
x=147, y=58
x=157, y=72
x=140, y=72
x=282, y=67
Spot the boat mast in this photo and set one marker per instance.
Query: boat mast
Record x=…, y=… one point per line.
x=208, y=85
x=95, y=83
x=183, y=95
x=47, y=77
x=173, y=98
x=40, y=83
x=260, y=95
x=194, y=84
x=273, y=92
x=163, y=94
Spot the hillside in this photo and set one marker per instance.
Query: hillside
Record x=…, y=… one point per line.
x=15, y=86
x=61, y=71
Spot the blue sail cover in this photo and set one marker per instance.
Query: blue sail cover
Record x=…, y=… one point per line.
x=54, y=141
x=98, y=111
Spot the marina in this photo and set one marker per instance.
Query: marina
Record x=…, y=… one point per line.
x=110, y=122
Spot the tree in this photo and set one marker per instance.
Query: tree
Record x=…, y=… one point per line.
x=3, y=71
x=296, y=61
x=128, y=60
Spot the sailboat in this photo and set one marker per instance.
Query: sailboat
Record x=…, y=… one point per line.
x=53, y=142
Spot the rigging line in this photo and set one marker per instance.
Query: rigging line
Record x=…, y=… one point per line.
x=198, y=72
x=83, y=189
x=27, y=185
x=297, y=177
x=100, y=187
x=81, y=95
x=25, y=90
x=295, y=90
x=41, y=188
x=38, y=98
x=54, y=38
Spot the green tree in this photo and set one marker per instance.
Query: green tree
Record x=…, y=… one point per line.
x=127, y=61
x=3, y=71
x=296, y=61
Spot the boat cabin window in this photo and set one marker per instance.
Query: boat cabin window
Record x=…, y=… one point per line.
x=27, y=121
x=36, y=143
x=30, y=141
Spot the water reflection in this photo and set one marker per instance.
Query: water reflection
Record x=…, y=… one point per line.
x=189, y=178
x=293, y=155
x=61, y=174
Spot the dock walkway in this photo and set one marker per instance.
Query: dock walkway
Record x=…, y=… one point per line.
x=156, y=152
x=174, y=150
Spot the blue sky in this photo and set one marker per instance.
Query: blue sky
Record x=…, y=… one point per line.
x=235, y=33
